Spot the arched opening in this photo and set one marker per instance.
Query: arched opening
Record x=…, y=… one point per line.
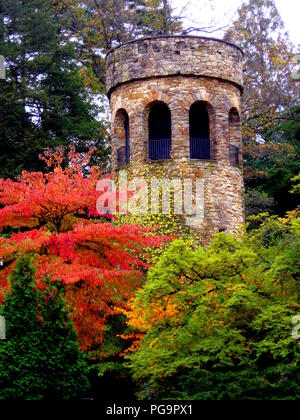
x=160, y=132
x=127, y=138
x=199, y=131
x=122, y=137
x=234, y=136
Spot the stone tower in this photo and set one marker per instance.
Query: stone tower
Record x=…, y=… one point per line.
x=176, y=101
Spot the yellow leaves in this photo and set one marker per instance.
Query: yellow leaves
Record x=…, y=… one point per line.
x=142, y=319
x=296, y=187
x=152, y=344
x=237, y=287
x=290, y=217
x=136, y=339
x=278, y=61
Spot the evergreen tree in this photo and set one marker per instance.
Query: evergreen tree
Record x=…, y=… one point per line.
x=43, y=101
x=269, y=89
x=40, y=358
x=98, y=25
x=271, y=146
x=271, y=168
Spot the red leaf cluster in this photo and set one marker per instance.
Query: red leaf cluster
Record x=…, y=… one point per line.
x=100, y=265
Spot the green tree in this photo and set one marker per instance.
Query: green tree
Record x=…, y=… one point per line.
x=98, y=25
x=270, y=167
x=269, y=89
x=270, y=112
x=43, y=101
x=40, y=358
x=217, y=322
x=257, y=201
x=296, y=186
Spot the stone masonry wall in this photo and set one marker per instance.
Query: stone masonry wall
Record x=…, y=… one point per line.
x=179, y=93
x=175, y=55
x=180, y=71
x=223, y=190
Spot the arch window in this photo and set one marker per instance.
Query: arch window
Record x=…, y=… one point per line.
x=122, y=137
x=127, y=139
x=199, y=131
x=234, y=136
x=160, y=132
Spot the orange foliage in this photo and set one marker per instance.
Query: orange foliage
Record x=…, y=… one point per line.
x=99, y=265
x=141, y=322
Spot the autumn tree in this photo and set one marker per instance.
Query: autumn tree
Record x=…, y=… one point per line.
x=40, y=358
x=52, y=215
x=269, y=90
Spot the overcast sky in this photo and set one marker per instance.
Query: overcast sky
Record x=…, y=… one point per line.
x=223, y=12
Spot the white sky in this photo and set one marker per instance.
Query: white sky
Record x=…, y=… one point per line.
x=199, y=12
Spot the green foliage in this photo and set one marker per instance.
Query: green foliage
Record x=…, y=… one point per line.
x=229, y=335
x=272, y=166
x=269, y=89
x=43, y=101
x=98, y=26
x=40, y=359
x=270, y=113
x=162, y=222
x=257, y=201
x=296, y=186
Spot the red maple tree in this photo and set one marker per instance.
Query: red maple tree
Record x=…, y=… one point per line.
x=52, y=216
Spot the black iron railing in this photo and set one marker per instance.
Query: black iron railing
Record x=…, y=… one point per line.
x=160, y=149
x=121, y=156
x=127, y=152
x=233, y=154
x=199, y=148
x=127, y=141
